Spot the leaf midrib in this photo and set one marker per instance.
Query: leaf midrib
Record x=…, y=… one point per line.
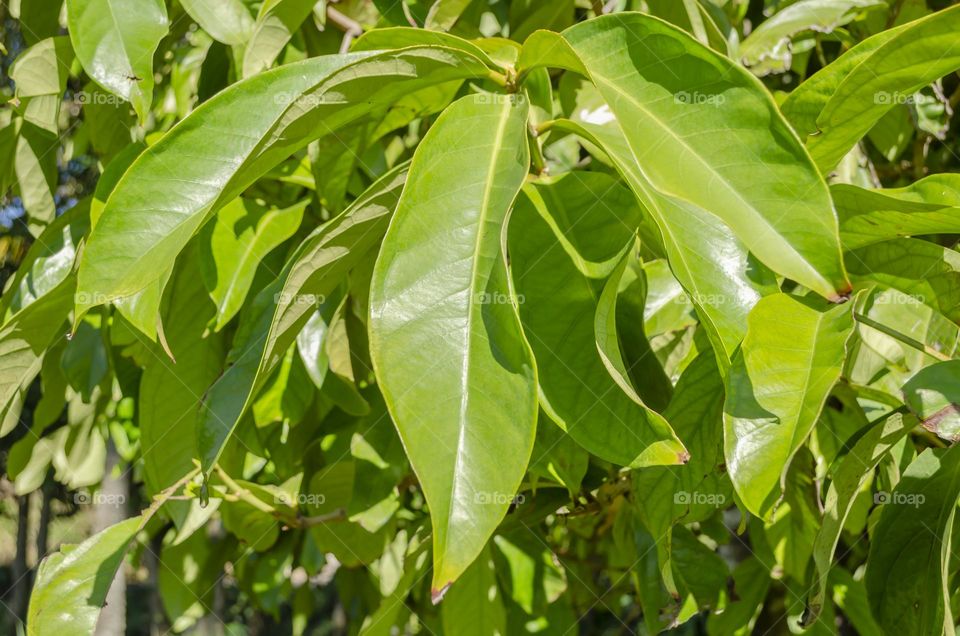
x=465, y=367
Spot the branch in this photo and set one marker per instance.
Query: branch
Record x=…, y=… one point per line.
x=350, y=27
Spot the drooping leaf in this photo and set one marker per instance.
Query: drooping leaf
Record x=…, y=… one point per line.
x=227, y=21
x=403, y=37
x=920, y=270
x=72, y=584
x=474, y=606
x=907, y=568
x=848, y=478
x=186, y=578
x=48, y=263
x=928, y=206
x=445, y=13
x=243, y=233
x=40, y=74
x=868, y=81
x=667, y=86
x=115, y=42
x=35, y=166
x=621, y=340
x=36, y=307
x=172, y=389
x=281, y=309
x=526, y=16
x=39, y=19
x=576, y=389
x=721, y=278
x=468, y=432
x=933, y=395
x=693, y=492
x=153, y=213
x=768, y=48
x=790, y=359
x=276, y=23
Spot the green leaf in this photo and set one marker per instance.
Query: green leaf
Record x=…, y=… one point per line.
x=620, y=336
x=693, y=492
x=576, y=389
x=276, y=23
x=790, y=359
x=186, y=578
x=350, y=542
x=667, y=86
x=49, y=261
x=280, y=310
x=928, y=206
x=908, y=565
x=700, y=571
x=171, y=389
x=870, y=79
x=35, y=166
x=468, y=432
x=933, y=395
x=848, y=477
x=227, y=21
x=84, y=361
x=115, y=42
x=72, y=584
x=751, y=581
x=153, y=212
x=698, y=19
x=403, y=37
x=40, y=74
x=905, y=330
x=36, y=307
x=474, y=606
x=722, y=279
x=445, y=13
x=526, y=16
x=768, y=48
x=923, y=271
x=39, y=19
x=242, y=235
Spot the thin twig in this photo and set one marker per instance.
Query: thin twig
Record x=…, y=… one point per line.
x=901, y=337
x=350, y=27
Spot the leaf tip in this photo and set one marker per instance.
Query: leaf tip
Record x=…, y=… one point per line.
x=436, y=595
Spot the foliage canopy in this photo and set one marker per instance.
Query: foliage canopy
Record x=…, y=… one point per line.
x=489, y=316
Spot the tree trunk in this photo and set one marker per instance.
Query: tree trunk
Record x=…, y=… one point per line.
x=20, y=593
x=109, y=508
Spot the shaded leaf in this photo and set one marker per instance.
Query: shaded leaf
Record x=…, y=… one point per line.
x=790, y=359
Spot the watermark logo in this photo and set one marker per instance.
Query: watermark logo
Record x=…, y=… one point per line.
x=498, y=298
x=300, y=499
x=896, y=297
x=311, y=100
x=499, y=498
x=91, y=298
x=83, y=98
x=288, y=299
x=695, y=97
x=703, y=300
x=893, y=98
x=83, y=498
x=883, y=498
x=495, y=98
x=684, y=498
